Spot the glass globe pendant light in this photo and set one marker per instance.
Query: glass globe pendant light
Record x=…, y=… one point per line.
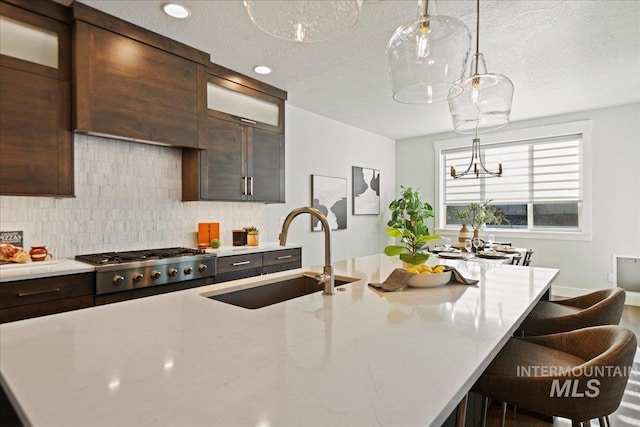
x=427, y=57
x=482, y=102
x=304, y=20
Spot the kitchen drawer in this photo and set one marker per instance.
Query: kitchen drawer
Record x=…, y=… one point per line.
x=35, y=291
x=284, y=256
x=28, y=311
x=38, y=297
x=268, y=269
x=239, y=262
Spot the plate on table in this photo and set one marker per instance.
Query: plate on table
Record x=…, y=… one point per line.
x=451, y=255
x=506, y=249
x=441, y=249
x=490, y=255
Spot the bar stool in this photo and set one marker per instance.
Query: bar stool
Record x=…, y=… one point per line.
x=595, y=363
x=603, y=307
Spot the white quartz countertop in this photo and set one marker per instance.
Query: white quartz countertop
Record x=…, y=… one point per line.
x=35, y=270
x=358, y=358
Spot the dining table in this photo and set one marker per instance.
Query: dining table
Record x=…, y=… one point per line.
x=489, y=254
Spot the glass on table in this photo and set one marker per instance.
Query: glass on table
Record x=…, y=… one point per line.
x=467, y=245
x=491, y=239
x=477, y=243
x=447, y=242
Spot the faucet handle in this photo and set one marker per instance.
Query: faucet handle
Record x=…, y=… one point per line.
x=322, y=278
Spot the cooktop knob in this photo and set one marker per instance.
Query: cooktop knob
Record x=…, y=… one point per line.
x=172, y=272
x=187, y=271
x=117, y=280
x=156, y=275
x=138, y=277
x=202, y=268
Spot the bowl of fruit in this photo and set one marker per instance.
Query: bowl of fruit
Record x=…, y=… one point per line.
x=428, y=277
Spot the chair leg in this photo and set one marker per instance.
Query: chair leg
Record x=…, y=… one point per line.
x=604, y=421
x=461, y=413
x=504, y=414
x=485, y=408
x=515, y=409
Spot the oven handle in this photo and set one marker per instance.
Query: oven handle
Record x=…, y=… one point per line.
x=241, y=263
x=47, y=291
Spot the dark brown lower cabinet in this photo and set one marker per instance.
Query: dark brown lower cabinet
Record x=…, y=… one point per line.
x=242, y=266
x=24, y=299
x=281, y=260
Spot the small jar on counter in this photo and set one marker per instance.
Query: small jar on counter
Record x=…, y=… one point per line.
x=38, y=253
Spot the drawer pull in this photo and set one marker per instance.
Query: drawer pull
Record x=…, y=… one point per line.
x=241, y=263
x=283, y=257
x=252, y=122
x=48, y=291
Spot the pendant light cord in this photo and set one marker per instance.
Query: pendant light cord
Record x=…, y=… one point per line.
x=477, y=34
x=424, y=24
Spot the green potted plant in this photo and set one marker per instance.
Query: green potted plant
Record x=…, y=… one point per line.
x=480, y=214
x=408, y=223
x=253, y=236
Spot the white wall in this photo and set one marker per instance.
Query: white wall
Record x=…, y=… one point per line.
x=615, y=177
x=128, y=196
x=319, y=146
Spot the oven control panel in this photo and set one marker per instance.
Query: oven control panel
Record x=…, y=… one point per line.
x=117, y=278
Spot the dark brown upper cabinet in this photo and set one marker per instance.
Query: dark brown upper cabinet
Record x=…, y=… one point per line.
x=133, y=84
x=243, y=157
x=36, y=143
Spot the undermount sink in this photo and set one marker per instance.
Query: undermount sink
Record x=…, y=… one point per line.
x=278, y=291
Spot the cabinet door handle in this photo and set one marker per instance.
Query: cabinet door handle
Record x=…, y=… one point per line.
x=241, y=263
x=283, y=257
x=242, y=119
x=47, y=291
x=244, y=179
x=251, y=186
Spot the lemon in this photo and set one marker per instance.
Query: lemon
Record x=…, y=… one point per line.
x=439, y=269
x=413, y=270
x=426, y=272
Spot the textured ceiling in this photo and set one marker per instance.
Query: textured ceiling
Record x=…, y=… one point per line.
x=562, y=56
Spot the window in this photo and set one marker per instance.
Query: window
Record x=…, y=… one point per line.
x=544, y=187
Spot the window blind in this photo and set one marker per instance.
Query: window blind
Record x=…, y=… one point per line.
x=534, y=171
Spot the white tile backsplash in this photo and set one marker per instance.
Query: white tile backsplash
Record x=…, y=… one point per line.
x=128, y=196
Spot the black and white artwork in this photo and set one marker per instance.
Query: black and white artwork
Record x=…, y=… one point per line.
x=329, y=196
x=366, y=191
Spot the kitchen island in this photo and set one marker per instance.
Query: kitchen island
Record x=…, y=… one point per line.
x=358, y=358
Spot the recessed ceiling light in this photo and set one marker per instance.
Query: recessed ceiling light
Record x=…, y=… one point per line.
x=262, y=69
x=175, y=10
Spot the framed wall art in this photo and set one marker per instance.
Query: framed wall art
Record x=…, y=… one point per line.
x=329, y=196
x=366, y=191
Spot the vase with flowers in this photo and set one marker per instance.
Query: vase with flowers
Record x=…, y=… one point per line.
x=478, y=215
